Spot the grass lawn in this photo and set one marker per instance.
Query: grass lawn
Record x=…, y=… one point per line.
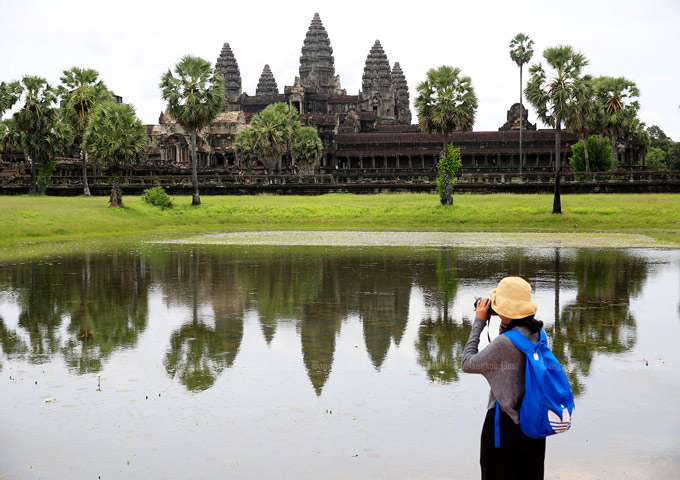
x=41, y=220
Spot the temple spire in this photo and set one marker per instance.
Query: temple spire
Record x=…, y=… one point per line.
x=228, y=67
x=377, y=72
x=402, y=102
x=317, y=65
x=267, y=84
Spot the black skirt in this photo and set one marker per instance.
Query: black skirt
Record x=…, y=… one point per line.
x=519, y=456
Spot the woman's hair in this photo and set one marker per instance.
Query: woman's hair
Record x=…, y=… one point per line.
x=530, y=322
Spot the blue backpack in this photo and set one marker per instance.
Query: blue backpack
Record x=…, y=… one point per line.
x=548, y=400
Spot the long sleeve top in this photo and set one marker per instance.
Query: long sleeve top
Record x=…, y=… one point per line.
x=502, y=364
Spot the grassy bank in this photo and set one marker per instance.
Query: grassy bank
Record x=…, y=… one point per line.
x=60, y=219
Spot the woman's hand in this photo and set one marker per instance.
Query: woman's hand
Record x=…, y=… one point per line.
x=483, y=308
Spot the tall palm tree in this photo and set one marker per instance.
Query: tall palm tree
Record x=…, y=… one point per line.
x=81, y=91
x=582, y=113
x=521, y=51
x=551, y=93
x=618, y=103
x=116, y=136
x=35, y=119
x=446, y=103
x=195, y=96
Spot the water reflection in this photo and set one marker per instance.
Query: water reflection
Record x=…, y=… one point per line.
x=102, y=300
x=599, y=319
x=85, y=308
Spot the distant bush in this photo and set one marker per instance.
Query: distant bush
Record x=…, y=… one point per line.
x=157, y=197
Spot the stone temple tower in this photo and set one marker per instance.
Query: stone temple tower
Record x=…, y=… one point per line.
x=227, y=66
x=402, y=107
x=267, y=84
x=377, y=92
x=317, y=65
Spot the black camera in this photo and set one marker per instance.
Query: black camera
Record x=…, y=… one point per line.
x=491, y=312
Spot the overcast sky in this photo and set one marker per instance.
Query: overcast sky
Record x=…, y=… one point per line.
x=131, y=43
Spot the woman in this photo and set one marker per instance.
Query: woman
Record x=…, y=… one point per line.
x=503, y=366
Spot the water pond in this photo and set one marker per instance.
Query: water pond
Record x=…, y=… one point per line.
x=178, y=361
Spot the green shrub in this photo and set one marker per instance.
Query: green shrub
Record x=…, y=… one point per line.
x=157, y=197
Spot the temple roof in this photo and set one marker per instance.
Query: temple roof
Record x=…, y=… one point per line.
x=228, y=67
x=267, y=84
x=317, y=53
x=377, y=72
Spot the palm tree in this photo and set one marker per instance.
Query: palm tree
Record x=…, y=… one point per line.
x=275, y=127
x=618, y=105
x=306, y=149
x=552, y=92
x=245, y=148
x=446, y=103
x=35, y=119
x=582, y=114
x=55, y=141
x=116, y=136
x=10, y=138
x=81, y=91
x=194, y=97
x=9, y=94
x=521, y=51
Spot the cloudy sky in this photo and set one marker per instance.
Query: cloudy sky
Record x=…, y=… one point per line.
x=131, y=43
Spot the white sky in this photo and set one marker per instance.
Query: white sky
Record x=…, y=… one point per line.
x=131, y=43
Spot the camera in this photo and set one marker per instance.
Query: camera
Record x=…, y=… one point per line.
x=491, y=312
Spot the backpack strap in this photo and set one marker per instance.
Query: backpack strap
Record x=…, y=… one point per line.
x=497, y=427
x=523, y=343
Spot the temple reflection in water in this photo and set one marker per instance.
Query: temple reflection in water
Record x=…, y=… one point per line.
x=83, y=309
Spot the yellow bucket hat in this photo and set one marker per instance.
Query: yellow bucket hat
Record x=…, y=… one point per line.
x=512, y=298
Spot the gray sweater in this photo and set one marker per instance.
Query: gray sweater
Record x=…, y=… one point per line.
x=502, y=364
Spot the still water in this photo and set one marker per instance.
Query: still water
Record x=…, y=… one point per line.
x=237, y=362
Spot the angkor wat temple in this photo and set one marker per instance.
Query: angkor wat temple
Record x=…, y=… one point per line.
x=371, y=130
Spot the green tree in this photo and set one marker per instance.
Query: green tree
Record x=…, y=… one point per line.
x=581, y=115
x=448, y=166
x=656, y=159
x=195, y=96
x=81, y=91
x=9, y=95
x=521, y=51
x=618, y=107
x=36, y=119
x=306, y=149
x=550, y=92
x=115, y=136
x=245, y=148
x=674, y=156
x=10, y=138
x=446, y=103
x=275, y=129
x=658, y=138
x=599, y=150
x=54, y=142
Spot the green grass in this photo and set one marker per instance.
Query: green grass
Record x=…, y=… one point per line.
x=79, y=220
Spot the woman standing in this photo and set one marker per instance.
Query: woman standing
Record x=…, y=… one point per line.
x=503, y=366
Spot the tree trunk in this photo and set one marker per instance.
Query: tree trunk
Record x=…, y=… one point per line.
x=116, y=199
x=613, y=142
x=196, y=200
x=32, y=189
x=520, y=122
x=448, y=193
x=557, y=203
x=86, y=187
x=585, y=153
x=448, y=199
